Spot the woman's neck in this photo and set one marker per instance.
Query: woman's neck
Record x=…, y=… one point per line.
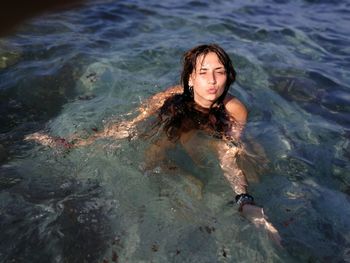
x=203, y=104
x=200, y=108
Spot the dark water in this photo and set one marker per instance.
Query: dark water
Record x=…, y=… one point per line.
x=72, y=71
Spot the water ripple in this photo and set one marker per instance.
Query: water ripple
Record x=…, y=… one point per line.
x=70, y=71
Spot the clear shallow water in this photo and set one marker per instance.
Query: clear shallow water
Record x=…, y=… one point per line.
x=72, y=71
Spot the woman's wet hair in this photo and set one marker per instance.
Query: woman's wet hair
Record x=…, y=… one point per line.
x=180, y=113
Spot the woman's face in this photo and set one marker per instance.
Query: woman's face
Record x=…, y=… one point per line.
x=208, y=79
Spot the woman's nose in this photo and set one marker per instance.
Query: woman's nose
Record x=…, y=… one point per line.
x=212, y=79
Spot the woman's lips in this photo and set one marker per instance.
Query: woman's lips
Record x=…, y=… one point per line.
x=212, y=91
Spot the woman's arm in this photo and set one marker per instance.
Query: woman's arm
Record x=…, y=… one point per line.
x=228, y=162
x=118, y=130
x=236, y=178
x=228, y=156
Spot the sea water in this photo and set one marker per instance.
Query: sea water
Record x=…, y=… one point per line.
x=71, y=72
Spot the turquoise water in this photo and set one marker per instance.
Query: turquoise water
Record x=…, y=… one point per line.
x=73, y=71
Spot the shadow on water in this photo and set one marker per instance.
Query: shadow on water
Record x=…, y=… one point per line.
x=51, y=219
x=52, y=213
x=28, y=101
x=13, y=13
x=324, y=102
x=316, y=94
x=43, y=216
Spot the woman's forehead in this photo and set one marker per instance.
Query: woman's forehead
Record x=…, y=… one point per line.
x=208, y=59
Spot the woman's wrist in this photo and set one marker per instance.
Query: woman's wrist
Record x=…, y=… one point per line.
x=244, y=199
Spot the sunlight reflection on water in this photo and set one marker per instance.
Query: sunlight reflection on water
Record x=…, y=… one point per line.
x=72, y=72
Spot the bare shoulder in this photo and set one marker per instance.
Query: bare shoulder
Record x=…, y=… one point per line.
x=174, y=90
x=152, y=104
x=162, y=95
x=236, y=108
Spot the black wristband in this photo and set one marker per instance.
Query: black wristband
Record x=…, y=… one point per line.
x=243, y=199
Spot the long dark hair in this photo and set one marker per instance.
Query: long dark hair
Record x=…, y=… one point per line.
x=180, y=113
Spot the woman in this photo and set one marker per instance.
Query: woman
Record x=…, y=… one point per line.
x=201, y=103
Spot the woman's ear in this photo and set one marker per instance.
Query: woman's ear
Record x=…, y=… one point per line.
x=190, y=81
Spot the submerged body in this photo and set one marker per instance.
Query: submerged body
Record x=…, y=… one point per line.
x=201, y=102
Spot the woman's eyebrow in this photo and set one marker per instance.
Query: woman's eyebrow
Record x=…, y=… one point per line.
x=217, y=68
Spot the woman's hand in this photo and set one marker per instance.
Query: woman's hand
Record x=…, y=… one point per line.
x=256, y=215
x=49, y=141
x=121, y=130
